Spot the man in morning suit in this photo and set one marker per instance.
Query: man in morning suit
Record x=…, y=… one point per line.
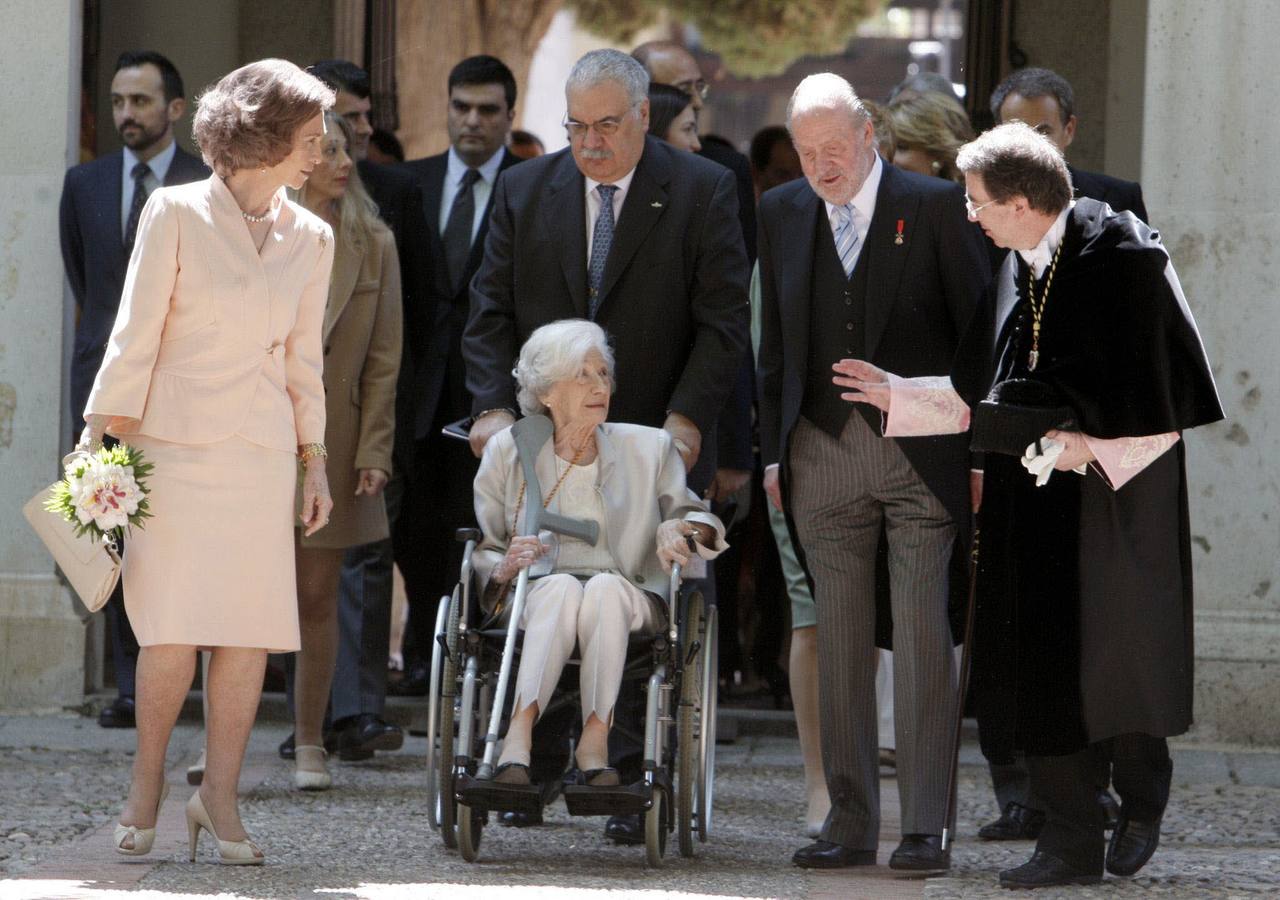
x=863, y=256
x=98, y=217
x=1044, y=100
x=457, y=193
x=643, y=239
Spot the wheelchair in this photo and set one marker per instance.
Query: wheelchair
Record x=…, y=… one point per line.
x=469, y=698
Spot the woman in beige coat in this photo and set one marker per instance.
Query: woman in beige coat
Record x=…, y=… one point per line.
x=362, y=341
x=213, y=372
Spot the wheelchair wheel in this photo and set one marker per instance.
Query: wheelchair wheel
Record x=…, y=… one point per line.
x=435, y=799
x=707, y=731
x=470, y=830
x=689, y=725
x=448, y=808
x=655, y=829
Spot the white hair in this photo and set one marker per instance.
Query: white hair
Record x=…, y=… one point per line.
x=553, y=353
x=601, y=66
x=822, y=92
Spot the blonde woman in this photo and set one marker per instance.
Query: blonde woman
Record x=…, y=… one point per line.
x=362, y=341
x=213, y=371
x=929, y=130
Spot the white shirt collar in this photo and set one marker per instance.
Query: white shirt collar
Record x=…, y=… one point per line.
x=457, y=168
x=865, y=200
x=622, y=184
x=1039, y=256
x=159, y=164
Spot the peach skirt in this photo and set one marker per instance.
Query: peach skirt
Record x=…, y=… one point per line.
x=214, y=565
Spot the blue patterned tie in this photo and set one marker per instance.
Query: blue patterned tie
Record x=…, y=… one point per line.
x=601, y=241
x=845, y=219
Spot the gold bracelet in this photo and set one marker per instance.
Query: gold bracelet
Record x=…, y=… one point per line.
x=310, y=451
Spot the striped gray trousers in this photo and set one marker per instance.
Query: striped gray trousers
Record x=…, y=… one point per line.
x=840, y=492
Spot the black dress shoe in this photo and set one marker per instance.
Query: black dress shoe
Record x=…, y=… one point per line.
x=1043, y=870
x=920, y=853
x=1110, y=809
x=826, y=855
x=286, y=747
x=624, y=829
x=1132, y=844
x=118, y=714
x=415, y=683
x=367, y=734
x=1016, y=823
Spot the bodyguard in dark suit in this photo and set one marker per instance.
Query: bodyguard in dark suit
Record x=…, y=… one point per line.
x=861, y=257
x=457, y=193
x=642, y=238
x=98, y=218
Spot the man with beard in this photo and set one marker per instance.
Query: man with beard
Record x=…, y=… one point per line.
x=98, y=217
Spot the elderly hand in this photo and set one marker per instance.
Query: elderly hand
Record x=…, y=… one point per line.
x=486, y=427
x=316, y=502
x=687, y=437
x=869, y=383
x=523, y=552
x=91, y=438
x=773, y=486
x=673, y=539
x=371, y=482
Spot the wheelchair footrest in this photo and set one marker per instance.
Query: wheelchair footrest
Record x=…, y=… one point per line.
x=484, y=795
x=622, y=800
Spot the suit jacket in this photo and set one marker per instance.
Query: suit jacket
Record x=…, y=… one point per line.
x=641, y=478
x=213, y=339
x=94, y=258
x=673, y=297
x=362, y=340
x=1119, y=195
x=920, y=295
x=440, y=363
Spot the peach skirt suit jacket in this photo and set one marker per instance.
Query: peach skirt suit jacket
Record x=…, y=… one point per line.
x=362, y=343
x=213, y=370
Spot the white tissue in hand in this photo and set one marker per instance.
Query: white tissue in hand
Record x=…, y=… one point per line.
x=1041, y=464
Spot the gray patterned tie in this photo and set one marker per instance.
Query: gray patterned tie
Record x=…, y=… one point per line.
x=140, y=172
x=601, y=241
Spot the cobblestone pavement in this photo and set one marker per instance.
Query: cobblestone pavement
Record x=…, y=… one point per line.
x=62, y=780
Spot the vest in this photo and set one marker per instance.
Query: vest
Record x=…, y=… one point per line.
x=837, y=327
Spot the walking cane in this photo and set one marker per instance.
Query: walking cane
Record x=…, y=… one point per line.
x=949, y=822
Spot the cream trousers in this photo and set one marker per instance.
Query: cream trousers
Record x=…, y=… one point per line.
x=599, y=616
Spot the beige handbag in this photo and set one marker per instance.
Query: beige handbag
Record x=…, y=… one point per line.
x=91, y=567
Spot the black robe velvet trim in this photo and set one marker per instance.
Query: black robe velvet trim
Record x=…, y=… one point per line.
x=1084, y=613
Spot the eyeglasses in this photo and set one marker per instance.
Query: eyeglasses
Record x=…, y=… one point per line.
x=606, y=127
x=691, y=88
x=974, y=210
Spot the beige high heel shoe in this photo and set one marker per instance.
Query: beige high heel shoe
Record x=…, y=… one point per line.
x=230, y=853
x=310, y=772
x=143, y=838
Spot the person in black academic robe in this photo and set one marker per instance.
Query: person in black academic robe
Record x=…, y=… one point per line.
x=1083, y=629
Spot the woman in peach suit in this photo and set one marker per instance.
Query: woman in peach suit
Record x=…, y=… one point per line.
x=213, y=370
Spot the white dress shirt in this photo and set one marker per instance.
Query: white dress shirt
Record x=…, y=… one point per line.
x=159, y=165
x=480, y=191
x=1039, y=256
x=593, y=204
x=865, y=202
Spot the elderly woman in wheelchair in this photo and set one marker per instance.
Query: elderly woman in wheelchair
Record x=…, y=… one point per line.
x=627, y=478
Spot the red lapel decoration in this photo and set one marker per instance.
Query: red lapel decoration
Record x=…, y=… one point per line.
x=897, y=238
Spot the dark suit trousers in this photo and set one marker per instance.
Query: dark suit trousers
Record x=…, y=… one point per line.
x=1141, y=771
x=841, y=493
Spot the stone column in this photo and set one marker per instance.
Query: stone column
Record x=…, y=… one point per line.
x=41, y=636
x=1209, y=176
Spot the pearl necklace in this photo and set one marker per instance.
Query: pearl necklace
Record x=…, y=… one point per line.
x=257, y=220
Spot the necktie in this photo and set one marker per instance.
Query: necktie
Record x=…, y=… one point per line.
x=140, y=172
x=601, y=241
x=846, y=234
x=457, y=231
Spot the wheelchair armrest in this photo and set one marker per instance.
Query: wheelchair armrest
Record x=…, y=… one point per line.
x=462, y=535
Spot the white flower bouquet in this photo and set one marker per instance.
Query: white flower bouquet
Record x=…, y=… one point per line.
x=104, y=494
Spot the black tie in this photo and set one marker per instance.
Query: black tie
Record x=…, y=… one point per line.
x=140, y=172
x=457, y=231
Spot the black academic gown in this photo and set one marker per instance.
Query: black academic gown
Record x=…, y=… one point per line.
x=1084, y=614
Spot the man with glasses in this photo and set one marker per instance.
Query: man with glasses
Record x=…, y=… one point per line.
x=625, y=230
